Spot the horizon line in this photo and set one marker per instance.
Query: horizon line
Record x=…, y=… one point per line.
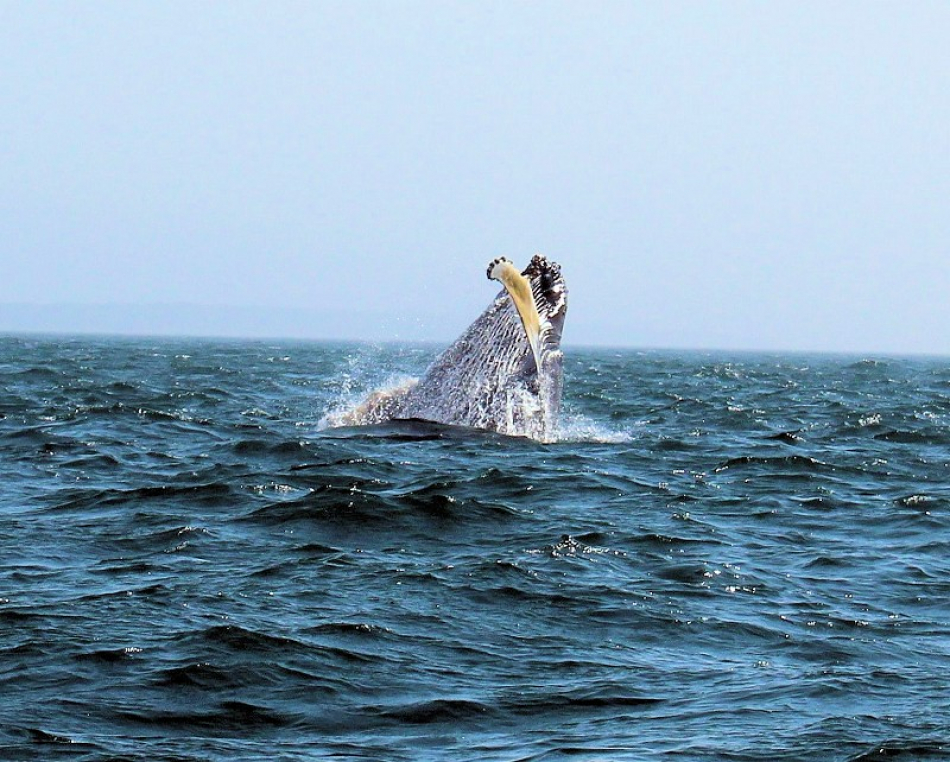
x=580, y=346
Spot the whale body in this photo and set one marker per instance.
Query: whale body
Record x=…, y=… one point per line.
x=503, y=374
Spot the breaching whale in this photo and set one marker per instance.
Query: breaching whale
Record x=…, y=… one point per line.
x=503, y=374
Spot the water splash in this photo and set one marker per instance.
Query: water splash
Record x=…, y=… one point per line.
x=351, y=407
x=575, y=427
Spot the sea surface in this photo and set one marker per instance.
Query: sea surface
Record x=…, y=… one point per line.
x=724, y=557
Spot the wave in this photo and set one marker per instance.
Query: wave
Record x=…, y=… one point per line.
x=228, y=717
x=904, y=436
x=435, y=711
x=47, y=738
x=411, y=429
x=211, y=493
x=350, y=629
x=905, y=751
x=800, y=463
x=573, y=428
x=347, y=504
x=244, y=640
x=202, y=675
x=109, y=655
x=609, y=698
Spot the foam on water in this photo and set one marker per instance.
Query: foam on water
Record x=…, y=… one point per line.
x=577, y=427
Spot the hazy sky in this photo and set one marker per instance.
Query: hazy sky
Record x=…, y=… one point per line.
x=738, y=175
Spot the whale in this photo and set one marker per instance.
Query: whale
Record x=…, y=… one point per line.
x=503, y=374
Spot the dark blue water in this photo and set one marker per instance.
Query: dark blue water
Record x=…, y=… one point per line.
x=725, y=558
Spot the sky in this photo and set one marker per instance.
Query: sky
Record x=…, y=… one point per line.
x=737, y=175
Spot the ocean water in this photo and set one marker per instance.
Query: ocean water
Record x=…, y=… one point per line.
x=724, y=557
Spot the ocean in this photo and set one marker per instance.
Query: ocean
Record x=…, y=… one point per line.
x=724, y=556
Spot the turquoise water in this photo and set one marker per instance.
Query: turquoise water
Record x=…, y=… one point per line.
x=725, y=557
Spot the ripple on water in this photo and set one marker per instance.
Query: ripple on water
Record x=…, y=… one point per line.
x=194, y=569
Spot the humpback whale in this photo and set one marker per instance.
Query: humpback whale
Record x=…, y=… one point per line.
x=503, y=374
